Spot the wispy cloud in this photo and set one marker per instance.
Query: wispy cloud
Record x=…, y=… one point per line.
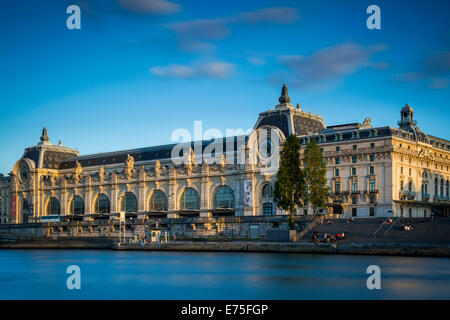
x=154, y=7
x=280, y=15
x=218, y=28
x=216, y=69
x=328, y=65
x=257, y=61
x=433, y=72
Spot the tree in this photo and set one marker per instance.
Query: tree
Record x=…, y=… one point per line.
x=290, y=184
x=315, y=176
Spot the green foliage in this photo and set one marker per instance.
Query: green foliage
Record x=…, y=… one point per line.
x=315, y=176
x=290, y=184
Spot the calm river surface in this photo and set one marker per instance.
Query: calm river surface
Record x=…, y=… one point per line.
x=41, y=274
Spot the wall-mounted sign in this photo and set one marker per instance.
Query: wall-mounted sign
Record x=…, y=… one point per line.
x=13, y=207
x=248, y=193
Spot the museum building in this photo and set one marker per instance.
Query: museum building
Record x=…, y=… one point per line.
x=371, y=171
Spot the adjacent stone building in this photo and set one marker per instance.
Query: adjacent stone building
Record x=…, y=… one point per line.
x=372, y=172
x=5, y=199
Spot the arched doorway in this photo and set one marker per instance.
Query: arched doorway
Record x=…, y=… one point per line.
x=337, y=208
x=26, y=211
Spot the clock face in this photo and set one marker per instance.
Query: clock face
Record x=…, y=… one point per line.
x=24, y=174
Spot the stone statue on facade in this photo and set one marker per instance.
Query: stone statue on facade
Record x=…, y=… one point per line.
x=129, y=162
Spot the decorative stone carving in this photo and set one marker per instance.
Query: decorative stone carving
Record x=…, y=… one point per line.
x=101, y=174
x=189, y=163
x=142, y=173
x=78, y=172
x=157, y=168
x=129, y=169
x=223, y=163
x=53, y=179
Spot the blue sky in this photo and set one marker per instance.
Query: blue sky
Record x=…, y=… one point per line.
x=139, y=69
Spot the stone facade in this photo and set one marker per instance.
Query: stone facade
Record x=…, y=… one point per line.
x=372, y=172
x=5, y=199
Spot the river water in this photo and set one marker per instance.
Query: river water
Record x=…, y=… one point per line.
x=41, y=274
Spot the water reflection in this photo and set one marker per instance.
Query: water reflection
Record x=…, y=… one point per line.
x=40, y=274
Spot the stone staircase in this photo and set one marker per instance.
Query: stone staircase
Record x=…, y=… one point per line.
x=362, y=230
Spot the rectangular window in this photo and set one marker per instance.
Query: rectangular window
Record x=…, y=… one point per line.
x=372, y=185
x=409, y=171
x=337, y=160
x=336, y=172
x=372, y=211
x=337, y=187
x=354, y=200
x=354, y=186
x=401, y=170
x=267, y=209
x=372, y=199
x=354, y=213
x=371, y=170
x=372, y=145
x=372, y=157
x=354, y=147
x=353, y=172
x=338, y=149
x=353, y=159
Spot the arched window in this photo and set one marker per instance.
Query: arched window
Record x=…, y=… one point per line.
x=267, y=191
x=53, y=207
x=436, y=186
x=128, y=202
x=158, y=201
x=189, y=200
x=77, y=205
x=224, y=198
x=442, y=187
x=101, y=204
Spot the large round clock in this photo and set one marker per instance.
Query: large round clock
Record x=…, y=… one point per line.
x=24, y=174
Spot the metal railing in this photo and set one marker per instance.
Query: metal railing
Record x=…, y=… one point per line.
x=379, y=227
x=390, y=227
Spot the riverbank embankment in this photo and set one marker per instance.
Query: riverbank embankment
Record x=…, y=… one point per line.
x=393, y=249
x=387, y=249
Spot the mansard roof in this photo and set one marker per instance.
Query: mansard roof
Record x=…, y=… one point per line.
x=142, y=154
x=45, y=155
x=331, y=135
